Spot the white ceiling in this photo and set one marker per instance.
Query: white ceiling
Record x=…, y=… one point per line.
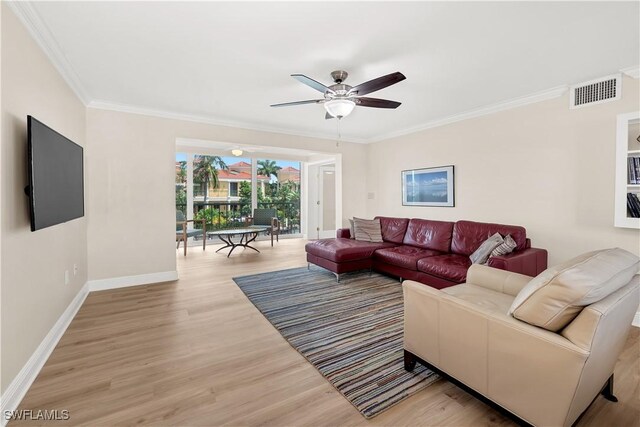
x=228, y=61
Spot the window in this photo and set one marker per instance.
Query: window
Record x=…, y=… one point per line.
x=279, y=188
x=233, y=189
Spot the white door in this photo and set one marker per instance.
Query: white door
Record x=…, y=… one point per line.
x=326, y=203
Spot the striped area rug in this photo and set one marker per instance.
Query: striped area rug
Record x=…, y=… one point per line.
x=350, y=331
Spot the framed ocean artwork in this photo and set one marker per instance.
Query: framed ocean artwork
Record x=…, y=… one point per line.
x=428, y=187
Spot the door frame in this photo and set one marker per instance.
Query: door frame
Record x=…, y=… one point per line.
x=335, y=159
x=323, y=234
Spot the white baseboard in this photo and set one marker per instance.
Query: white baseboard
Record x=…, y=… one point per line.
x=636, y=320
x=20, y=385
x=126, y=281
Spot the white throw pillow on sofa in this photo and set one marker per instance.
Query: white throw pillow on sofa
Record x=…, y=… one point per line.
x=481, y=255
x=352, y=229
x=368, y=230
x=557, y=295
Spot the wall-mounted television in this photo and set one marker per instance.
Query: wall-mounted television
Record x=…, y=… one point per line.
x=56, y=181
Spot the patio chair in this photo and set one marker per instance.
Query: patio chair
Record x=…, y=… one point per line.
x=183, y=232
x=266, y=218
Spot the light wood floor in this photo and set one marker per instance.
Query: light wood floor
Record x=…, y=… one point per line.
x=197, y=352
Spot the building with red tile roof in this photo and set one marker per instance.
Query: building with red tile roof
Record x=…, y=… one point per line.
x=289, y=174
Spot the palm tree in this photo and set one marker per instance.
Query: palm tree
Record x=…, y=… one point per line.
x=268, y=168
x=206, y=169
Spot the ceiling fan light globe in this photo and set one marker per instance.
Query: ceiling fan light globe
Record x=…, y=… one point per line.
x=236, y=152
x=339, y=107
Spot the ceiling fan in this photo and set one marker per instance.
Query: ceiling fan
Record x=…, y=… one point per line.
x=340, y=99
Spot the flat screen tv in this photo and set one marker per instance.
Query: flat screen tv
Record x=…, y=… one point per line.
x=56, y=182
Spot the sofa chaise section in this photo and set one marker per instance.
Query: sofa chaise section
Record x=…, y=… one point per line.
x=343, y=255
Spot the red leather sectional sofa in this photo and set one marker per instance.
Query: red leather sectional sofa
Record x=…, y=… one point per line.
x=432, y=252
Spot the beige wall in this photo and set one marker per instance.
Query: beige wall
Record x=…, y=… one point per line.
x=131, y=158
x=34, y=294
x=542, y=166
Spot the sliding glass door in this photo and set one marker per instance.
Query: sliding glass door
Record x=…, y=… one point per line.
x=216, y=189
x=224, y=191
x=280, y=190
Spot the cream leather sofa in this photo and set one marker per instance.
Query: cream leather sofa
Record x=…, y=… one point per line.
x=543, y=377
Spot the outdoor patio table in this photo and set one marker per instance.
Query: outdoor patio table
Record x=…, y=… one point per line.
x=247, y=235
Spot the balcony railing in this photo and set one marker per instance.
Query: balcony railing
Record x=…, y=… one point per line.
x=225, y=215
x=288, y=214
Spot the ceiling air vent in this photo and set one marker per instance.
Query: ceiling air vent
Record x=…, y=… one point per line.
x=596, y=91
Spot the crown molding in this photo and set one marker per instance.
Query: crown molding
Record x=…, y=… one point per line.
x=44, y=38
x=633, y=72
x=482, y=111
x=132, y=109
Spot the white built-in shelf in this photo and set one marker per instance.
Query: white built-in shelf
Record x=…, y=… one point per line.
x=625, y=122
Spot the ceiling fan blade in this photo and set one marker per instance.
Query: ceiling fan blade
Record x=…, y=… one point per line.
x=328, y=116
x=311, y=83
x=377, y=84
x=376, y=103
x=287, y=104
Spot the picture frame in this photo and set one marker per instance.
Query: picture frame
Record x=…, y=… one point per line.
x=429, y=187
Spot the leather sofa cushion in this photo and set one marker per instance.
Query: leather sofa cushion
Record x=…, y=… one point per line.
x=451, y=266
x=557, y=295
x=393, y=229
x=404, y=256
x=427, y=234
x=469, y=235
x=344, y=250
x=488, y=299
x=344, y=233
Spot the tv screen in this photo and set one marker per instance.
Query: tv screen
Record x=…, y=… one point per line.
x=56, y=183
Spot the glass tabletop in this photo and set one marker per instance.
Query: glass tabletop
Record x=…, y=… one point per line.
x=247, y=230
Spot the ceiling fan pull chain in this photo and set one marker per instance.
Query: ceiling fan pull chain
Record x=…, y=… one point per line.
x=339, y=135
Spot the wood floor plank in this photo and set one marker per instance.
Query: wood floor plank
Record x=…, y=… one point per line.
x=196, y=352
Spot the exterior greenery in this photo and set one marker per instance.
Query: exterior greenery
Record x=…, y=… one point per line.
x=181, y=196
x=181, y=174
x=245, y=198
x=215, y=219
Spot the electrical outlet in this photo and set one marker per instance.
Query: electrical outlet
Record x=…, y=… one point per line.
x=66, y=277
x=75, y=269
